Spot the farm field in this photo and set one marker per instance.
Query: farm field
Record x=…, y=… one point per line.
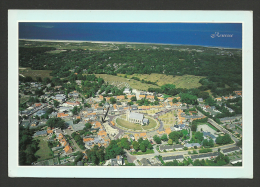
x=124, y=82
x=34, y=73
x=44, y=151
x=185, y=81
x=168, y=119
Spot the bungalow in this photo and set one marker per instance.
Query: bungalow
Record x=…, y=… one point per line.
x=218, y=99
x=119, y=160
x=230, y=150
x=78, y=127
x=134, y=107
x=70, y=103
x=150, y=97
x=205, y=156
x=236, y=161
x=130, y=96
x=141, y=97
x=161, y=99
x=127, y=91
x=208, y=135
x=192, y=145
x=68, y=149
x=62, y=115
x=40, y=133
x=145, y=162
x=171, y=147
x=171, y=158
x=120, y=97
x=200, y=100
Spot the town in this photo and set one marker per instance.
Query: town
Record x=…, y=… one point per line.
x=85, y=120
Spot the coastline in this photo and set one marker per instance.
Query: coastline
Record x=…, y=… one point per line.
x=116, y=42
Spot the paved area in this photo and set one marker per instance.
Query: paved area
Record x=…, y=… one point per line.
x=206, y=128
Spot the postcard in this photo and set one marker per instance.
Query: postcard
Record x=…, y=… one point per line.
x=130, y=94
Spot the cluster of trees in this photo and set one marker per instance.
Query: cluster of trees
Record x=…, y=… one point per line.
x=226, y=139
x=146, y=102
x=176, y=135
x=195, y=123
x=208, y=143
x=197, y=137
x=142, y=145
x=96, y=155
x=220, y=160
x=144, y=81
x=227, y=67
x=56, y=123
x=78, y=139
x=27, y=146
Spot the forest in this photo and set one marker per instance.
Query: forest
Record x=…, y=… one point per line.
x=222, y=67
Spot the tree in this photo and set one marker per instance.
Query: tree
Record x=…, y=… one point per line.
x=56, y=122
x=211, y=143
x=157, y=139
x=164, y=137
x=133, y=98
x=88, y=125
x=170, y=142
x=142, y=147
x=205, y=142
x=75, y=110
x=56, y=103
x=112, y=100
x=136, y=145
x=38, y=79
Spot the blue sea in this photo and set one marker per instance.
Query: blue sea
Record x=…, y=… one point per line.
x=226, y=35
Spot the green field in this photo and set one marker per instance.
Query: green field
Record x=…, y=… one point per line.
x=185, y=81
x=152, y=124
x=126, y=124
x=116, y=80
x=44, y=151
x=34, y=73
x=133, y=126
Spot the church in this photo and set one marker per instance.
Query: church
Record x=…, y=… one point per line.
x=136, y=118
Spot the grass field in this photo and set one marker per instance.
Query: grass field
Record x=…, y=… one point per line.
x=116, y=80
x=168, y=119
x=185, y=81
x=44, y=151
x=152, y=124
x=35, y=73
x=133, y=126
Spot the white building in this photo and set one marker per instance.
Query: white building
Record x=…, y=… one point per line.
x=136, y=118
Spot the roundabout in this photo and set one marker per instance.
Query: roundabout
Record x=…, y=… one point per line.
x=122, y=123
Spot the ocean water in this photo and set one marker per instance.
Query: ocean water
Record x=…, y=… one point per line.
x=227, y=35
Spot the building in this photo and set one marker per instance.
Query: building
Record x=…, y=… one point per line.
x=172, y=158
x=127, y=91
x=192, y=145
x=40, y=133
x=171, y=147
x=68, y=149
x=230, y=150
x=205, y=156
x=136, y=118
x=117, y=161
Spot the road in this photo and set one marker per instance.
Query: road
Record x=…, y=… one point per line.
x=75, y=145
x=212, y=122
x=156, y=153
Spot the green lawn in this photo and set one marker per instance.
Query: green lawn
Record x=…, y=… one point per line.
x=126, y=124
x=133, y=126
x=211, y=126
x=152, y=124
x=143, y=153
x=44, y=151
